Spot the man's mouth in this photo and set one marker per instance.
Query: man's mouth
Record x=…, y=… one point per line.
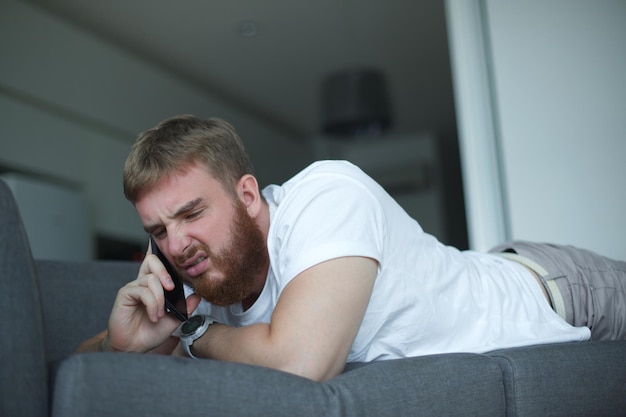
x=197, y=267
x=202, y=258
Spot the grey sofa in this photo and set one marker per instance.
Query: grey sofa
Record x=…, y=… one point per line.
x=48, y=307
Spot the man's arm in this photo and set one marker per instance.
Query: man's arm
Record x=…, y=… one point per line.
x=99, y=343
x=93, y=344
x=312, y=327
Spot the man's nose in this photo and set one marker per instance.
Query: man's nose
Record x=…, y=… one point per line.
x=178, y=243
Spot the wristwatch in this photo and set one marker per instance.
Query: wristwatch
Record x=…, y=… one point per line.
x=193, y=329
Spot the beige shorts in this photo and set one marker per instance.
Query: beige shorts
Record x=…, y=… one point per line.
x=585, y=289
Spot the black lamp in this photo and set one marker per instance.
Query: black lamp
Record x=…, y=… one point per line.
x=355, y=102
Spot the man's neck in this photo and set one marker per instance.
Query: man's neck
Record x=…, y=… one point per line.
x=263, y=220
x=250, y=300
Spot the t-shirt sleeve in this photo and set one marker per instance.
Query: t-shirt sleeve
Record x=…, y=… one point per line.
x=322, y=218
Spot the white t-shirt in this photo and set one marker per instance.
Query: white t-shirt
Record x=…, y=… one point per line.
x=428, y=298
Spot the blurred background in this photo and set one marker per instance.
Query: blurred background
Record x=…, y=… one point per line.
x=384, y=84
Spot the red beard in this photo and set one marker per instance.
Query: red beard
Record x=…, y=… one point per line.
x=242, y=262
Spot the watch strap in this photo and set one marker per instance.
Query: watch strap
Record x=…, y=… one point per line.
x=187, y=348
x=187, y=340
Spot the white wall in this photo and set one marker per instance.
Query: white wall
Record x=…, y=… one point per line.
x=53, y=211
x=71, y=105
x=559, y=71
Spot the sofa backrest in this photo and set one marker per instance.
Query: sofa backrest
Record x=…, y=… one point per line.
x=77, y=298
x=24, y=378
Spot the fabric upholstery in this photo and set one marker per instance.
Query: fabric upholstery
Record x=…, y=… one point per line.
x=24, y=375
x=78, y=297
x=439, y=385
x=101, y=385
x=161, y=385
x=574, y=379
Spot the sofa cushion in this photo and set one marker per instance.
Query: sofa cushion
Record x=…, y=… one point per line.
x=571, y=379
x=437, y=385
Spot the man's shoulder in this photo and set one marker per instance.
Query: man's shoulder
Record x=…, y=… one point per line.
x=330, y=167
x=321, y=177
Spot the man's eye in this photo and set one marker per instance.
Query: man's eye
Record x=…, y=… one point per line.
x=159, y=234
x=194, y=215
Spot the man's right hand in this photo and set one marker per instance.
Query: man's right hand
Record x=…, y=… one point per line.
x=138, y=320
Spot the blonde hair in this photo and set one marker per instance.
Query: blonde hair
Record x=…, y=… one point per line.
x=182, y=140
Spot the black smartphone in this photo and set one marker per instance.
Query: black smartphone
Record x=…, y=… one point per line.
x=175, y=302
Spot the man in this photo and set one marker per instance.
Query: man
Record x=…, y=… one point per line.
x=328, y=269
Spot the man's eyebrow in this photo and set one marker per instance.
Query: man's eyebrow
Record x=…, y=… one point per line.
x=187, y=207
x=150, y=229
x=181, y=210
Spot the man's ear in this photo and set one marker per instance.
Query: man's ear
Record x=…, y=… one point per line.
x=249, y=194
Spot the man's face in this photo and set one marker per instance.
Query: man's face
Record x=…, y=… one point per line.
x=240, y=262
x=218, y=249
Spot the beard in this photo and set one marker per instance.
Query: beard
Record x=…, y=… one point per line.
x=241, y=262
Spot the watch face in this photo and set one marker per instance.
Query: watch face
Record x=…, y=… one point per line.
x=191, y=325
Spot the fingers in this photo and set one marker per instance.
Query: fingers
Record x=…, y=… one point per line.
x=148, y=289
x=146, y=293
x=153, y=265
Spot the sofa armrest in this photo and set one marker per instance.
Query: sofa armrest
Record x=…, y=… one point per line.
x=23, y=379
